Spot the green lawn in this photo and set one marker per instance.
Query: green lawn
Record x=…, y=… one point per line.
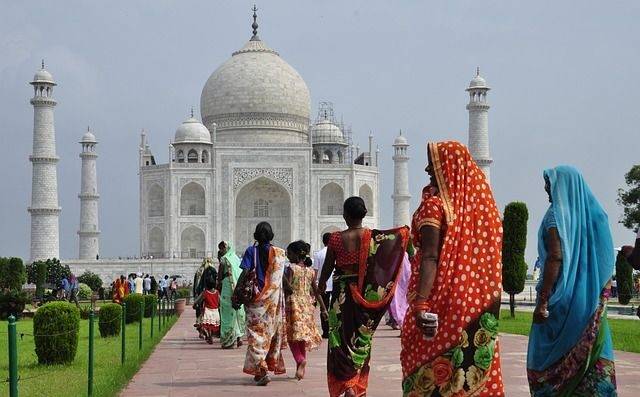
x=625, y=333
x=71, y=380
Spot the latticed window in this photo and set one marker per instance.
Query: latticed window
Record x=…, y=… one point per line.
x=260, y=208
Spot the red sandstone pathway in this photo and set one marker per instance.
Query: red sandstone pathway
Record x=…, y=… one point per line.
x=183, y=365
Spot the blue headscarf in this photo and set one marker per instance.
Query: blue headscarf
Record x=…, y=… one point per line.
x=587, y=265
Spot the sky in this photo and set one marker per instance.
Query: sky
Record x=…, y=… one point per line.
x=564, y=79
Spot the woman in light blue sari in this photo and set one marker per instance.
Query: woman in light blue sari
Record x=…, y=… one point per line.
x=570, y=350
x=231, y=320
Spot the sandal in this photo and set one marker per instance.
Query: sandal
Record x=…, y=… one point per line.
x=263, y=381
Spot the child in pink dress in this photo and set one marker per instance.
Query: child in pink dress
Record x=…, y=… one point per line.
x=210, y=318
x=302, y=331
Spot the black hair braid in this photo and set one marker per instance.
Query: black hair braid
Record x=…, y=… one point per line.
x=263, y=235
x=302, y=249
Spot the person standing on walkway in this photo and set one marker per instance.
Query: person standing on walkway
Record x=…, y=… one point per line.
x=138, y=283
x=367, y=265
x=300, y=278
x=231, y=320
x=570, y=348
x=209, y=319
x=146, y=284
x=164, y=287
x=450, y=332
x=265, y=326
x=73, y=289
x=318, y=262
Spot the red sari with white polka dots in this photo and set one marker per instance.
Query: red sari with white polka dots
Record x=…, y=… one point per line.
x=463, y=359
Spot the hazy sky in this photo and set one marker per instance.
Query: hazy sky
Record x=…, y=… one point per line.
x=564, y=78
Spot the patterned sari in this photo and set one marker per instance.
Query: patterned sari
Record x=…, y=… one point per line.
x=265, y=321
x=571, y=353
x=359, y=300
x=463, y=358
x=231, y=321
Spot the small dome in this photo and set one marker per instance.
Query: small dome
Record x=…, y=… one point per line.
x=192, y=131
x=478, y=82
x=400, y=140
x=42, y=76
x=88, y=137
x=325, y=131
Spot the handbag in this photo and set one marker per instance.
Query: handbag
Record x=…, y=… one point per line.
x=247, y=288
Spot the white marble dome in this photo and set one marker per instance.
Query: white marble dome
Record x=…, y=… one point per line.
x=42, y=76
x=192, y=131
x=400, y=140
x=88, y=137
x=325, y=131
x=478, y=82
x=255, y=89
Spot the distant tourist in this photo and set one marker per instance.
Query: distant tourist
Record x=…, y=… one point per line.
x=173, y=288
x=264, y=315
x=138, y=283
x=205, y=271
x=73, y=289
x=451, y=329
x=64, y=289
x=570, y=349
x=146, y=284
x=164, y=287
x=120, y=289
x=300, y=281
x=318, y=261
x=356, y=308
x=231, y=320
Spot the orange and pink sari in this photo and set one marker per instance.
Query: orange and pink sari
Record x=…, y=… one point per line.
x=463, y=358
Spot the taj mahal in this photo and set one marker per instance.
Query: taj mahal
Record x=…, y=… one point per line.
x=257, y=154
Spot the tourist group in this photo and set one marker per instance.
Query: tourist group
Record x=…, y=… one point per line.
x=439, y=279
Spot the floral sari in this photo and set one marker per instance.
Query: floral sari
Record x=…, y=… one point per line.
x=571, y=353
x=265, y=321
x=359, y=300
x=463, y=358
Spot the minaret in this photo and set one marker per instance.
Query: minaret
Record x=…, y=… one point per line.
x=401, y=195
x=89, y=233
x=478, y=108
x=44, y=207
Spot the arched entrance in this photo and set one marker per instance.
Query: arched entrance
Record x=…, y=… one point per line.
x=262, y=200
x=192, y=244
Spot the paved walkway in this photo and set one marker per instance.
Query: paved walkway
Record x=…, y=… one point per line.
x=183, y=365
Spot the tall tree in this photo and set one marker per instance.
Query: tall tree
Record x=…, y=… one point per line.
x=514, y=242
x=629, y=199
x=624, y=279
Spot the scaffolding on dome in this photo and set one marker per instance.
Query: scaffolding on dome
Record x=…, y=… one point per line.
x=326, y=113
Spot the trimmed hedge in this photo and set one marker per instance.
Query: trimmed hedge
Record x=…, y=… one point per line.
x=13, y=302
x=183, y=292
x=150, y=302
x=624, y=279
x=133, y=302
x=514, y=267
x=55, y=329
x=110, y=320
x=84, y=292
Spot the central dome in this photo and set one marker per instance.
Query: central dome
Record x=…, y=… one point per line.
x=256, y=96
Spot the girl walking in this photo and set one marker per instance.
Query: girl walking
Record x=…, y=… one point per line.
x=210, y=318
x=302, y=331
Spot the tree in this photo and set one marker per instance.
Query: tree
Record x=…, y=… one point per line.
x=56, y=271
x=514, y=242
x=91, y=279
x=12, y=274
x=630, y=199
x=624, y=279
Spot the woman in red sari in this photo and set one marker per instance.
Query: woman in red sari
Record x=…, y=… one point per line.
x=367, y=264
x=449, y=337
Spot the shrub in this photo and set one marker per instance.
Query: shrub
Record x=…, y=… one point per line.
x=110, y=320
x=55, y=329
x=84, y=291
x=91, y=279
x=183, y=292
x=12, y=302
x=624, y=279
x=150, y=302
x=133, y=302
x=514, y=267
x=12, y=273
